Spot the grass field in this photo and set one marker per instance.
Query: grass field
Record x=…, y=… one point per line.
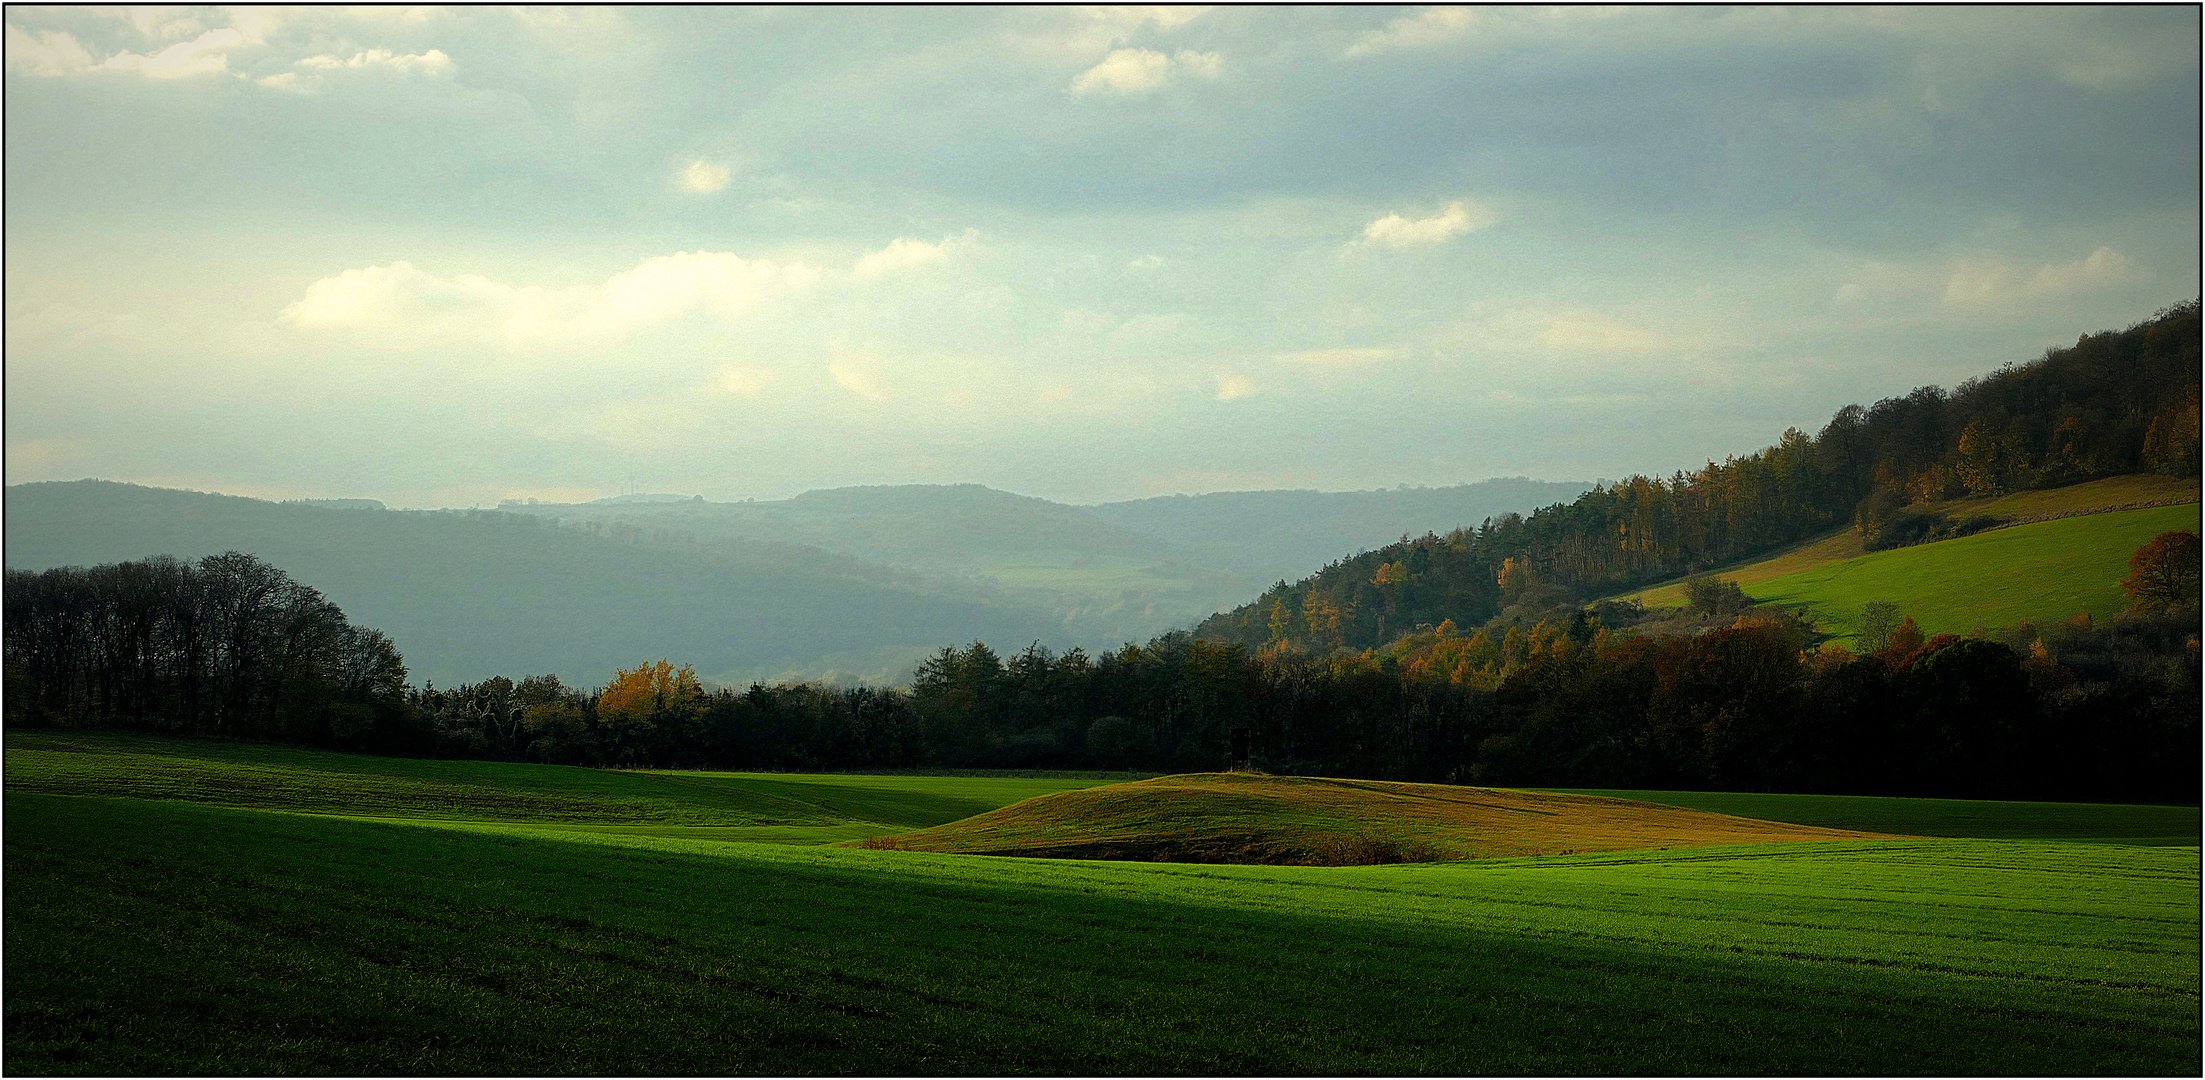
x=2098, y=496
x=2044, y=572
x=2096, y=823
x=774, y=807
x=178, y=935
x=1316, y=821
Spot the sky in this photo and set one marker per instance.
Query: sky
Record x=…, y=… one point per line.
x=449, y=257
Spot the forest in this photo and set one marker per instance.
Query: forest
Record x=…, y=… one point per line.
x=1479, y=657
x=2113, y=403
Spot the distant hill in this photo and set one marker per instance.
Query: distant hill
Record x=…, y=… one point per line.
x=470, y=594
x=1101, y=574
x=858, y=583
x=1275, y=534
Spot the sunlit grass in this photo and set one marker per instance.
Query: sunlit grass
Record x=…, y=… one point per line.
x=2044, y=573
x=148, y=937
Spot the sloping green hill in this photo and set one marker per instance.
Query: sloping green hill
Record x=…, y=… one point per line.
x=2043, y=572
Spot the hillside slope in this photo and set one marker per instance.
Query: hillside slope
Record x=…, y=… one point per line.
x=2020, y=508
x=2043, y=572
x=1306, y=820
x=1277, y=534
x=470, y=594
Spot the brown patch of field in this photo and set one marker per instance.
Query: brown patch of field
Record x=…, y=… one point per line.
x=1307, y=820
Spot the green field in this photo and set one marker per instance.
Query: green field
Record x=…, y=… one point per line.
x=2096, y=823
x=175, y=934
x=2044, y=572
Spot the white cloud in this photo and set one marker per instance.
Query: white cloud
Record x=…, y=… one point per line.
x=703, y=177
x=1145, y=262
x=1138, y=71
x=1587, y=332
x=1432, y=26
x=857, y=382
x=203, y=55
x=406, y=301
x=1398, y=233
x=1232, y=384
x=51, y=53
x=905, y=253
x=1992, y=282
x=1165, y=16
x=431, y=63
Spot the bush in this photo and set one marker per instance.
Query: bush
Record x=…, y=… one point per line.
x=1720, y=597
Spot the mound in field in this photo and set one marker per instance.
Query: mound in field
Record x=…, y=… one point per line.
x=1316, y=821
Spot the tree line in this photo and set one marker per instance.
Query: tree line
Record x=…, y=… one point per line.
x=226, y=646
x=2113, y=403
x=232, y=647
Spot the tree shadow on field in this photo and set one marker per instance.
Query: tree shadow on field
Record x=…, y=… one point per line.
x=176, y=938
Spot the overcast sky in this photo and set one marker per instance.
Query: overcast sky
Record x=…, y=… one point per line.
x=448, y=257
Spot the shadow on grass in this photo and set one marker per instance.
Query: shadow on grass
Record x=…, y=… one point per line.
x=147, y=937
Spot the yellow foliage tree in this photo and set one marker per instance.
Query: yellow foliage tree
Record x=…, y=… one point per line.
x=636, y=697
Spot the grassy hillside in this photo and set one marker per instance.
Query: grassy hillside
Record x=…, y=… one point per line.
x=1300, y=820
x=169, y=937
x=2021, y=508
x=2043, y=572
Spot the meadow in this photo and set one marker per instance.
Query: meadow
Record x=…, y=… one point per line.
x=229, y=934
x=2043, y=572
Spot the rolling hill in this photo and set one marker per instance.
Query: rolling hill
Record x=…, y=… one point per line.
x=470, y=594
x=2065, y=556
x=1309, y=820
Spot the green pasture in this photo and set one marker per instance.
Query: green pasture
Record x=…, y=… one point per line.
x=788, y=806
x=180, y=907
x=2045, y=572
x=171, y=937
x=2098, y=823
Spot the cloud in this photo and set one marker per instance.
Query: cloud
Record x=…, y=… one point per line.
x=905, y=253
x=410, y=302
x=51, y=53
x=1586, y=332
x=1128, y=72
x=203, y=55
x=431, y=63
x=1432, y=26
x=1397, y=233
x=703, y=177
x=1165, y=16
x=1993, y=282
x=857, y=382
x=54, y=53
x=1232, y=384
x=1335, y=357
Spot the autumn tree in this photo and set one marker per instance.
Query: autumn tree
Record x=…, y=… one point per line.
x=2164, y=571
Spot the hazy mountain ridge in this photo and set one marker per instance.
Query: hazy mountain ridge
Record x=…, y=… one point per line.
x=854, y=582
x=467, y=594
